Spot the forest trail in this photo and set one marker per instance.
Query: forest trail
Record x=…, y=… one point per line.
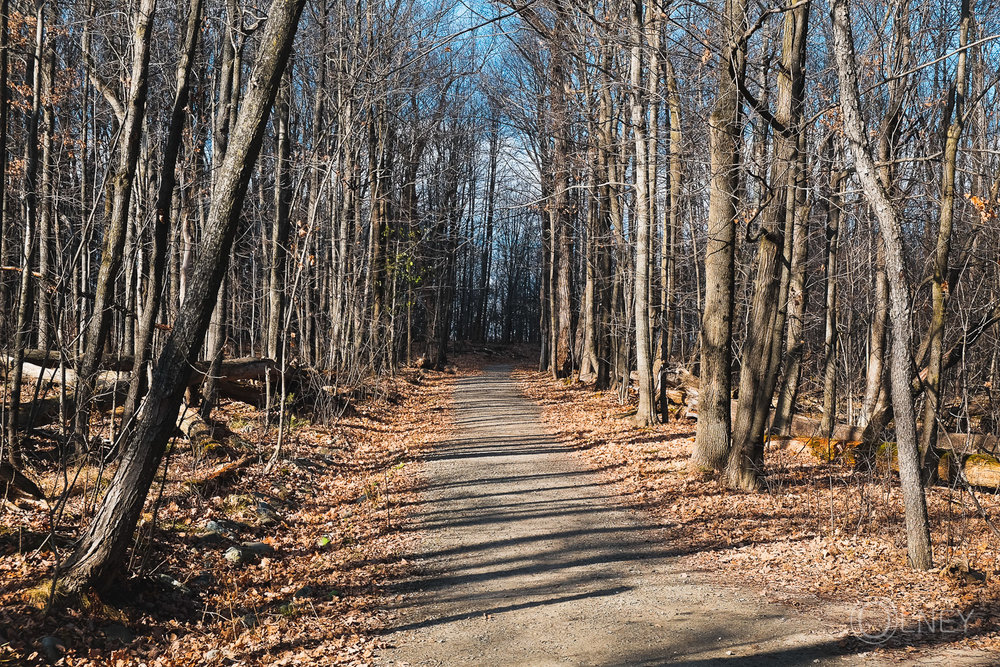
x=526, y=558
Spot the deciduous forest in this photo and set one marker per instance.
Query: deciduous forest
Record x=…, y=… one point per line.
x=249, y=248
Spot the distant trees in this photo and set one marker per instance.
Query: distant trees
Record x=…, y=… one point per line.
x=637, y=187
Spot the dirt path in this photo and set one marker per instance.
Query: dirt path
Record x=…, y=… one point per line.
x=526, y=559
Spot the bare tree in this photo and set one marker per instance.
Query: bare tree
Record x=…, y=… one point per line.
x=917, y=526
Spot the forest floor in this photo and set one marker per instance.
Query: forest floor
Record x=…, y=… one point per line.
x=491, y=518
x=237, y=566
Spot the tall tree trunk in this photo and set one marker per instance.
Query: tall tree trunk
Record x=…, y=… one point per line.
x=486, y=259
x=764, y=335
x=114, y=236
x=671, y=219
x=830, y=340
x=915, y=504
x=562, y=240
x=714, y=431
x=22, y=326
x=100, y=553
x=163, y=207
x=282, y=223
x=646, y=411
x=46, y=206
x=4, y=115
x=876, y=397
x=589, y=317
x=797, y=224
x=939, y=282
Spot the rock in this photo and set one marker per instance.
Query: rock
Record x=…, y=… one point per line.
x=118, y=632
x=238, y=500
x=52, y=647
x=248, y=552
x=210, y=539
x=249, y=620
x=267, y=514
x=170, y=582
x=204, y=578
x=304, y=592
x=231, y=529
x=211, y=654
x=259, y=548
x=237, y=556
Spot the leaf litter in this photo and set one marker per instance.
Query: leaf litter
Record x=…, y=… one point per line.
x=317, y=539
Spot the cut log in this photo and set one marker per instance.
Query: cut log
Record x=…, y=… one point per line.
x=195, y=429
x=947, y=468
x=982, y=470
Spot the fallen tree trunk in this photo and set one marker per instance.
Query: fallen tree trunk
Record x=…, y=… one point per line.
x=112, y=380
x=243, y=368
x=199, y=433
x=979, y=470
x=14, y=484
x=106, y=380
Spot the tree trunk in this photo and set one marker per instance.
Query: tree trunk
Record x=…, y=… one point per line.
x=4, y=115
x=797, y=224
x=22, y=327
x=915, y=504
x=830, y=340
x=646, y=412
x=46, y=205
x=282, y=224
x=163, y=207
x=714, y=430
x=764, y=336
x=939, y=282
x=99, y=556
x=114, y=236
x=562, y=242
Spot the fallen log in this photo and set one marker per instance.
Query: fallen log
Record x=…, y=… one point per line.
x=199, y=433
x=243, y=368
x=219, y=474
x=240, y=392
x=51, y=359
x=106, y=381
x=982, y=470
x=246, y=368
